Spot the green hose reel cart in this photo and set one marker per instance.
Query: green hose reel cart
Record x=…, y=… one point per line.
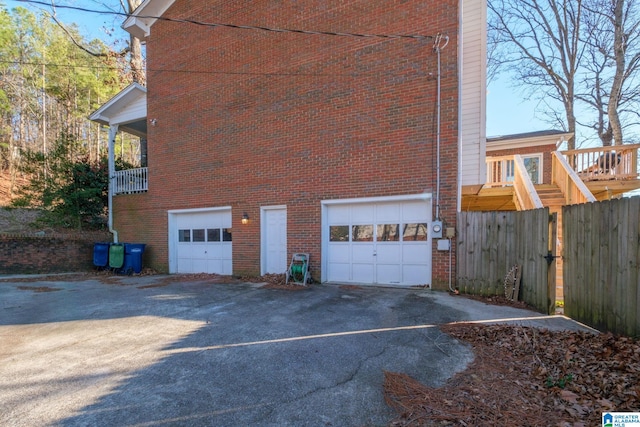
x=298, y=272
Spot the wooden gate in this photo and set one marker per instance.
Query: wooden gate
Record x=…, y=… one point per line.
x=489, y=244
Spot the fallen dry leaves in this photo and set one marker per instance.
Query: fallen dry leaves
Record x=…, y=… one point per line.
x=525, y=376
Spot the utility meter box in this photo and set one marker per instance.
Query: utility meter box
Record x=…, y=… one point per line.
x=436, y=229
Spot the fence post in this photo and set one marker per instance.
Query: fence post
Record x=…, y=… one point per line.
x=551, y=260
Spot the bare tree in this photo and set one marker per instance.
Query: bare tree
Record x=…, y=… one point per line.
x=571, y=54
x=493, y=57
x=612, y=67
x=136, y=62
x=540, y=44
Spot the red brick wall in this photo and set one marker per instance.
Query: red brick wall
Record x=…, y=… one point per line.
x=546, y=151
x=249, y=118
x=20, y=254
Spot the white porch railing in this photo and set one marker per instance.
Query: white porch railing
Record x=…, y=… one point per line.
x=130, y=181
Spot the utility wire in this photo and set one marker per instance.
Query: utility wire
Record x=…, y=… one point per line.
x=243, y=27
x=240, y=73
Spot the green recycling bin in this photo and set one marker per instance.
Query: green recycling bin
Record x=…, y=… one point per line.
x=116, y=255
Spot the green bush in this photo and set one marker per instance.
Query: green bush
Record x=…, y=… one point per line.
x=71, y=190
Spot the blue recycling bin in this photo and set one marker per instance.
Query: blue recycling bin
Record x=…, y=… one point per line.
x=101, y=254
x=132, y=258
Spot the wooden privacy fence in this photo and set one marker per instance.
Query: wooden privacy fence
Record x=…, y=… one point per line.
x=601, y=264
x=490, y=243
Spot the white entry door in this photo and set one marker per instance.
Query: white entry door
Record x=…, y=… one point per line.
x=382, y=242
x=274, y=240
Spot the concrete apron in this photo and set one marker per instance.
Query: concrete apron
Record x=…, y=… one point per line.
x=156, y=350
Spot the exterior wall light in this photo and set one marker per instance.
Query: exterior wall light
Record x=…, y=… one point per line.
x=245, y=218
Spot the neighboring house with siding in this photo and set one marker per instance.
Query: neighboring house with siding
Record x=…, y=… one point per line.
x=262, y=144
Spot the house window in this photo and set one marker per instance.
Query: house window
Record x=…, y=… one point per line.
x=533, y=164
x=226, y=234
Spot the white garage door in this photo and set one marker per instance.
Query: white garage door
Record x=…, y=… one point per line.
x=203, y=242
x=383, y=243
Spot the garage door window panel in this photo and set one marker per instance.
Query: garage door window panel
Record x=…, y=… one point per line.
x=362, y=233
x=339, y=233
x=415, y=232
x=198, y=235
x=387, y=233
x=213, y=235
x=184, y=235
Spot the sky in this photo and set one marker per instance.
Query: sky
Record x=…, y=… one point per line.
x=507, y=112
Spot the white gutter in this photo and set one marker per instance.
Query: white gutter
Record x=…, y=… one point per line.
x=113, y=132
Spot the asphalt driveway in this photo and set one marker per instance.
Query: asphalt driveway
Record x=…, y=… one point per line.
x=159, y=350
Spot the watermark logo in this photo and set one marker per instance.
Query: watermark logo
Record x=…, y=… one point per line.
x=621, y=419
x=607, y=420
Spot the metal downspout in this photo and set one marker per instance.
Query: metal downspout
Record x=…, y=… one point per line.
x=113, y=132
x=440, y=43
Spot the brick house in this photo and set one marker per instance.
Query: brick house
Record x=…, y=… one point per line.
x=266, y=143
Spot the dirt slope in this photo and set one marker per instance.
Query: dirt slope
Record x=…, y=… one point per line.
x=6, y=192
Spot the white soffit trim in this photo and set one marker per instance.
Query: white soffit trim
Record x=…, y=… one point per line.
x=535, y=141
x=140, y=22
x=119, y=103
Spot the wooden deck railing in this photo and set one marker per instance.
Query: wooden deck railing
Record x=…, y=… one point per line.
x=130, y=181
x=618, y=162
x=510, y=171
x=573, y=188
x=500, y=171
x=525, y=193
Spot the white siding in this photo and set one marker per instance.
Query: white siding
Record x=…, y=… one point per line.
x=473, y=71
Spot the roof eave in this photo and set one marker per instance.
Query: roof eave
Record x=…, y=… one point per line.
x=137, y=27
x=119, y=102
x=533, y=141
x=139, y=23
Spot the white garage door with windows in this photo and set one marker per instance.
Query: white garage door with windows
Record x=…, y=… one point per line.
x=377, y=241
x=200, y=241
